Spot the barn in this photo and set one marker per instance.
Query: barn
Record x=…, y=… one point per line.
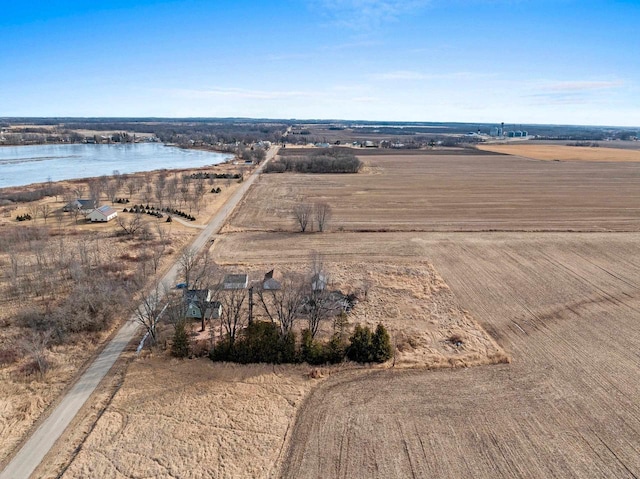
x=102, y=214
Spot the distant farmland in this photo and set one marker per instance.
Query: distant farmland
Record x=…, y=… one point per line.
x=461, y=192
x=566, y=153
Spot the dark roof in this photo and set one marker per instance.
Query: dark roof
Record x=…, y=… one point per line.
x=235, y=281
x=87, y=204
x=271, y=284
x=195, y=295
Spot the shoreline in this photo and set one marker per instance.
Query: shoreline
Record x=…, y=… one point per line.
x=225, y=158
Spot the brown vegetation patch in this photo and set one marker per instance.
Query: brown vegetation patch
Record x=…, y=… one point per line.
x=194, y=419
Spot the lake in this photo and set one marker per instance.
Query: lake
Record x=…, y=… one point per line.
x=22, y=165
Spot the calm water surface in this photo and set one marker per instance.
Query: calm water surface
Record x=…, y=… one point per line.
x=22, y=165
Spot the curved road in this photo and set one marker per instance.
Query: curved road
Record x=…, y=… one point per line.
x=42, y=440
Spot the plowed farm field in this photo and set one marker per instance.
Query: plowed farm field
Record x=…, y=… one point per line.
x=567, y=308
x=472, y=192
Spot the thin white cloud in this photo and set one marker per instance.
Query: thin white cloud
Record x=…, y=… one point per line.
x=363, y=14
x=410, y=75
x=576, y=86
x=579, y=92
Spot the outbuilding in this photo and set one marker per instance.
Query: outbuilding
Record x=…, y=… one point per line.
x=102, y=214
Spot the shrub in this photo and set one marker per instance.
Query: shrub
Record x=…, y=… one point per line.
x=311, y=351
x=336, y=349
x=10, y=354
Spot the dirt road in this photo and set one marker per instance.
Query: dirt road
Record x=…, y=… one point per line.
x=33, y=451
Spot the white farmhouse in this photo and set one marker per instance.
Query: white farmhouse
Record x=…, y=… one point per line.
x=102, y=214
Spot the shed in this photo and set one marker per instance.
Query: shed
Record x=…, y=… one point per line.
x=102, y=214
x=235, y=281
x=270, y=283
x=85, y=206
x=196, y=302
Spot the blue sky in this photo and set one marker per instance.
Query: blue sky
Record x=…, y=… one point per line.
x=562, y=61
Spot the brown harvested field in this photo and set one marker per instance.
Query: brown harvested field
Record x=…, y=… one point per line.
x=470, y=192
x=567, y=307
x=565, y=153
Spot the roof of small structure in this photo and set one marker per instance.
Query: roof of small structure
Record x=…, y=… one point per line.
x=235, y=281
x=106, y=210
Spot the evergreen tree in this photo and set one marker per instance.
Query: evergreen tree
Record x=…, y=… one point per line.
x=180, y=347
x=360, y=348
x=381, y=345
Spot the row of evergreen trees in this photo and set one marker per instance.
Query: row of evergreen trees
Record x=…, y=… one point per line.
x=261, y=342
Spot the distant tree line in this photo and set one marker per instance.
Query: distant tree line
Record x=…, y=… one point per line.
x=17, y=195
x=328, y=160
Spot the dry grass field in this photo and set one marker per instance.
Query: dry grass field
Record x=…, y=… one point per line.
x=566, y=153
x=194, y=419
x=464, y=192
x=567, y=307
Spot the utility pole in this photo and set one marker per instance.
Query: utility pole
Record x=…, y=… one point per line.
x=251, y=305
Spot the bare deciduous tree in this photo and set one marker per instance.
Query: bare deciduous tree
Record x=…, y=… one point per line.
x=318, y=304
x=147, y=193
x=46, y=211
x=33, y=211
x=35, y=345
x=157, y=252
x=149, y=312
x=95, y=190
x=131, y=187
x=196, y=269
x=282, y=306
x=112, y=188
x=79, y=191
x=233, y=318
x=302, y=214
x=59, y=215
x=131, y=225
x=161, y=184
x=322, y=213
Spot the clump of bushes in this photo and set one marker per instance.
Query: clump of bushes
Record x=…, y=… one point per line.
x=368, y=347
x=218, y=176
x=262, y=342
x=24, y=217
x=329, y=160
